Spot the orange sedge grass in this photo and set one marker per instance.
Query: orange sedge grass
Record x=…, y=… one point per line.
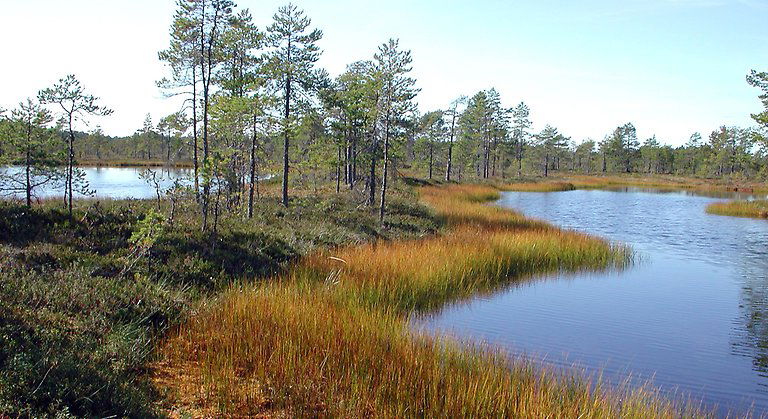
x=332, y=338
x=548, y=186
x=664, y=182
x=739, y=208
x=284, y=351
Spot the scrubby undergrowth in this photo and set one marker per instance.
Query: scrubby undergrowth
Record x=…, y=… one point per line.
x=83, y=305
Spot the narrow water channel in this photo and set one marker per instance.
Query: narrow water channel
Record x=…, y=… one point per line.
x=691, y=315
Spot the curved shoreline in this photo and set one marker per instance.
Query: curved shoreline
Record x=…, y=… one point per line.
x=330, y=338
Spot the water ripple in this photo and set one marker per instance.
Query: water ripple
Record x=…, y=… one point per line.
x=693, y=316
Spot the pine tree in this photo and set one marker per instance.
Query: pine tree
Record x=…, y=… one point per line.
x=184, y=58
x=34, y=147
x=453, y=114
x=760, y=80
x=291, y=65
x=550, y=143
x=432, y=131
x=397, y=92
x=75, y=104
x=521, y=125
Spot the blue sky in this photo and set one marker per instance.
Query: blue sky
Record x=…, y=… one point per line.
x=671, y=67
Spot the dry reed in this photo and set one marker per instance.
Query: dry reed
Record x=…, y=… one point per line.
x=332, y=337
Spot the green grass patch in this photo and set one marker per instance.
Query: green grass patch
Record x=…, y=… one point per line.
x=753, y=209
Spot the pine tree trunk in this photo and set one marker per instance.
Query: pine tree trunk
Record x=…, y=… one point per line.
x=253, y=169
x=205, y=79
x=450, y=149
x=431, y=152
x=70, y=166
x=338, y=170
x=194, y=131
x=384, y=172
x=27, y=166
x=353, y=169
x=486, y=158
x=286, y=127
x=372, y=176
x=347, y=149
x=493, y=157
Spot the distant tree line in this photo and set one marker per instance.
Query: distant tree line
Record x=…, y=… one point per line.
x=256, y=103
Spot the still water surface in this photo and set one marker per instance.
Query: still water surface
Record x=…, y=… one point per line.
x=118, y=182
x=691, y=314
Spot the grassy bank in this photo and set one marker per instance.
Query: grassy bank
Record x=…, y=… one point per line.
x=753, y=209
x=665, y=182
x=331, y=337
x=83, y=306
x=737, y=208
x=541, y=186
x=568, y=182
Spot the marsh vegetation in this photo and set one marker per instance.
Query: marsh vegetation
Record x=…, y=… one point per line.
x=331, y=337
x=738, y=208
x=316, y=215
x=85, y=300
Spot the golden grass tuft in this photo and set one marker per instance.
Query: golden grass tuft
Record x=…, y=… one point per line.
x=280, y=349
x=332, y=337
x=753, y=209
x=487, y=246
x=547, y=186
